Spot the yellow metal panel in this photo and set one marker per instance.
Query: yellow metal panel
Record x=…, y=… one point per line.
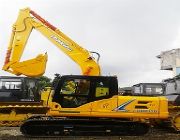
x=57, y=110
x=104, y=105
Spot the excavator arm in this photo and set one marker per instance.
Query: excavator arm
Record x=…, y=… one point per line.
x=25, y=23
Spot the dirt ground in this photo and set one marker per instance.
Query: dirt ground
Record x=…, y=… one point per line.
x=13, y=133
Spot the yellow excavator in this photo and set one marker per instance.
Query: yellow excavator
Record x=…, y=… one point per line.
x=80, y=104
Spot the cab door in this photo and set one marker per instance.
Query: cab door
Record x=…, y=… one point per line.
x=74, y=97
x=105, y=102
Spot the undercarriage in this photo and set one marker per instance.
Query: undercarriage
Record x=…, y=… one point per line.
x=51, y=127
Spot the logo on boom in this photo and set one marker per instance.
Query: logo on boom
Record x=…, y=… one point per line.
x=61, y=43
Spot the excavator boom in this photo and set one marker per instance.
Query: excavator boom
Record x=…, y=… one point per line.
x=26, y=22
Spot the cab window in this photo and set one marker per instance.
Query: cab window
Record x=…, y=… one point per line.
x=74, y=93
x=16, y=85
x=102, y=89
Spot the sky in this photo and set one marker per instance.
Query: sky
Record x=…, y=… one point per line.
x=128, y=34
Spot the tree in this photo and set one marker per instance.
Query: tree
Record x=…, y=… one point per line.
x=44, y=81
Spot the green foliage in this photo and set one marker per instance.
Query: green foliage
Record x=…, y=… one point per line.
x=44, y=81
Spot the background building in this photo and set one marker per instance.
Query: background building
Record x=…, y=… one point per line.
x=170, y=60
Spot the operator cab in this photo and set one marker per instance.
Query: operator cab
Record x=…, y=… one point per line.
x=76, y=90
x=173, y=90
x=148, y=89
x=18, y=89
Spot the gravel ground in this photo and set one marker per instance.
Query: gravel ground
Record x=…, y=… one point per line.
x=13, y=133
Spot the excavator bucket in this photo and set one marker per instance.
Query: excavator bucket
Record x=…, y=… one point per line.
x=32, y=68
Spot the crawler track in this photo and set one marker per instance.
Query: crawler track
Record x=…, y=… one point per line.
x=53, y=127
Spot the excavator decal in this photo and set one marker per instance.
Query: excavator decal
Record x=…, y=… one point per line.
x=122, y=106
x=61, y=43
